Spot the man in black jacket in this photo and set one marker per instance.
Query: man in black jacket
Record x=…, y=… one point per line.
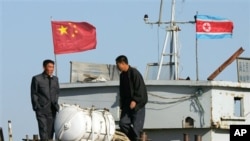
x=133, y=98
x=44, y=98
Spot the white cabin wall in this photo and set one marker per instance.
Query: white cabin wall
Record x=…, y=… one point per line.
x=219, y=135
x=164, y=106
x=223, y=108
x=178, y=134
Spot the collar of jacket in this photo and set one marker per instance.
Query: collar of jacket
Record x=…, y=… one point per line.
x=47, y=76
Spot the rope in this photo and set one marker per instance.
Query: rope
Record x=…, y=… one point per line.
x=182, y=97
x=119, y=136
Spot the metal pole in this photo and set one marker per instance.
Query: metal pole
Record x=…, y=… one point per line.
x=176, y=75
x=55, y=65
x=10, y=131
x=171, y=57
x=51, y=19
x=160, y=13
x=71, y=72
x=172, y=12
x=196, y=54
x=173, y=42
x=162, y=55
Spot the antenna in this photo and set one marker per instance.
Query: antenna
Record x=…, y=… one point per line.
x=171, y=34
x=160, y=13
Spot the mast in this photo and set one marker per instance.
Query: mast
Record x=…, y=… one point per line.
x=171, y=34
x=174, y=65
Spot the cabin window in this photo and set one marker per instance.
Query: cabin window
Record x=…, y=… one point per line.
x=238, y=107
x=189, y=122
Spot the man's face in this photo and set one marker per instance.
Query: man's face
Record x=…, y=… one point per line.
x=49, y=69
x=121, y=66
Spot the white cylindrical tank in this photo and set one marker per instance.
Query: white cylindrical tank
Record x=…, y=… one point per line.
x=74, y=123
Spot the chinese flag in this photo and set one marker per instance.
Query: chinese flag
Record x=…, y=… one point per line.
x=70, y=37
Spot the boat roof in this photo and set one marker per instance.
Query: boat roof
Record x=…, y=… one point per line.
x=162, y=82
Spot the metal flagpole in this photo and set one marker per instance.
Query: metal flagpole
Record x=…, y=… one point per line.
x=55, y=65
x=196, y=54
x=196, y=51
x=51, y=19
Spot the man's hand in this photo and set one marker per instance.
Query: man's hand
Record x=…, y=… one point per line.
x=132, y=104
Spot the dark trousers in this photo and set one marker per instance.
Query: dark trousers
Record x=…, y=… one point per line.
x=46, y=125
x=131, y=122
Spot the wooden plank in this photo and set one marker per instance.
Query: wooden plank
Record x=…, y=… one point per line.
x=225, y=64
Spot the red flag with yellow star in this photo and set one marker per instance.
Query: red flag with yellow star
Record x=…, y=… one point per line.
x=70, y=37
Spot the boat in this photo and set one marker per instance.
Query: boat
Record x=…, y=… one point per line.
x=178, y=109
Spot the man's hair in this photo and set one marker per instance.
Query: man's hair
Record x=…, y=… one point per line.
x=47, y=61
x=121, y=58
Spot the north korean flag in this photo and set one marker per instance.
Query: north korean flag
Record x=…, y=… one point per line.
x=211, y=27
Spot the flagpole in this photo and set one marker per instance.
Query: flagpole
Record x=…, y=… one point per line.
x=51, y=19
x=55, y=65
x=196, y=52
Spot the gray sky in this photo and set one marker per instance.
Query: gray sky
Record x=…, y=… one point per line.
x=26, y=40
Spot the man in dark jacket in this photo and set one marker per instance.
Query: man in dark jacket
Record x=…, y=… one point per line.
x=133, y=98
x=44, y=98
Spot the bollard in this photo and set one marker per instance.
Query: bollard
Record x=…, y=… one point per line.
x=10, y=131
x=35, y=137
x=185, y=137
x=1, y=134
x=197, y=137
